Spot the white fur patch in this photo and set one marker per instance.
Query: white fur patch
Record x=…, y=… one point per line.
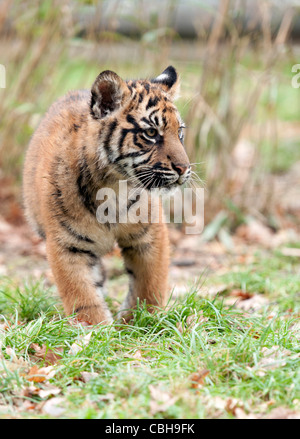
x=162, y=77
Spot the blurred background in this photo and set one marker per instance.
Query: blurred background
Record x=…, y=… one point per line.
x=240, y=97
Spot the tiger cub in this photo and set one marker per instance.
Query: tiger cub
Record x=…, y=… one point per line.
x=88, y=140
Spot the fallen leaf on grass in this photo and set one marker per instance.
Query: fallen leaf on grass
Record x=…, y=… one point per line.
x=39, y=375
x=230, y=405
x=272, y=358
x=48, y=355
x=80, y=344
x=49, y=391
x=54, y=406
x=283, y=413
x=197, y=378
x=28, y=405
x=137, y=355
x=88, y=376
x=15, y=363
x=43, y=393
x=161, y=400
x=242, y=295
x=253, y=304
x=4, y=326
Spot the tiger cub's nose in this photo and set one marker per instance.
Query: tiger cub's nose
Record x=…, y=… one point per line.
x=180, y=169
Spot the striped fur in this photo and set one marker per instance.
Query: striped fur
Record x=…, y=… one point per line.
x=88, y=140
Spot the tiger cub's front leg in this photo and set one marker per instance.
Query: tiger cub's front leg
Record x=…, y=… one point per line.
x=79, y=276
x=146, y=257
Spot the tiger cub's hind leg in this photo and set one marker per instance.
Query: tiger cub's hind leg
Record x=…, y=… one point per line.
x=79, y=276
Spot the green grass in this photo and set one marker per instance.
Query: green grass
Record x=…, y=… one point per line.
x=162, y=350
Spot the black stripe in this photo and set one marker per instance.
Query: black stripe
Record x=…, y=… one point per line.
x=137, y=249
x=152, y=102
x=131, y=119
x=134, y=131
x=144, y=162
x=158, y=166
x=141, y=97
x=124, y=133
x=146, y=120
x=130, y=272
x=153, y=112
x=84, y=185
x=112, y=126
x=75, y=234
x=81, y=251
x=136, y=143
x=41, y=232
x=164, y=119
x=57, y=196
x=129, y=155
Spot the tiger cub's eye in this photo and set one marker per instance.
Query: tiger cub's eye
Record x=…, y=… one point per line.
x=180, y=133
x=151, y=132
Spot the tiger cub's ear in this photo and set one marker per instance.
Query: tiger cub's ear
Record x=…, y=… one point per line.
x=109, y=92
x=169, y=81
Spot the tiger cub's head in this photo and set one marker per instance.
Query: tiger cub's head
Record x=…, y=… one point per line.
x=141, y=131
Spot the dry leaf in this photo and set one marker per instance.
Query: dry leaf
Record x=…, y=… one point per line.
x=39, y=375
x=197, y=378
x=29, y=405
x=254, y=303
x=161, y=400
x=283, y=413
x=14, y=363
x=138, y=355
x=49, y=391
x=271, y=359
x=239, y=413
x=242, y=295
x=80, y=344
x=88, y=376
x=54, y=407
x=46, y=354
x=232, y=404
x=30, y=391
